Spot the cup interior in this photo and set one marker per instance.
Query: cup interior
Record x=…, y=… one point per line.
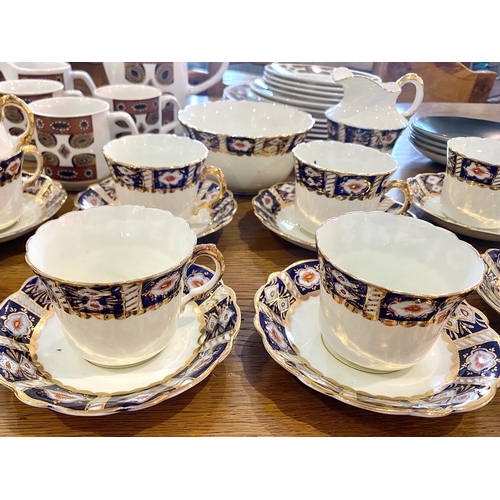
x=68, y=106
x=155, y=150
x=42, y=65
x=127, y=92
x=400, y=253
x=246, y=118
x=345, y=158
x=477, y=148
x=112, y=244
x=30, y=87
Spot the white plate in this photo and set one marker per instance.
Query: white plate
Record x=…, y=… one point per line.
x=275, y=208
x=42, y=201
x=459, y=374
x=426, y=190
x=42, y=370
x=293, y=94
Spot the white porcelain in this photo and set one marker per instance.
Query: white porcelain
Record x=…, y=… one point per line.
x=143, y=102
x=251, y=142
x=116, y=277
x=70, y=134
x=275, y=208
x=332, y=178
x=50, y=374
x=161, y=171
x=490, y=287
x=58, y=71
x=471, y=188
x=459, y=374
x=388, y=285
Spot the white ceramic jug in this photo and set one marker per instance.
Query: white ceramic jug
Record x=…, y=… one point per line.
x=367, y=113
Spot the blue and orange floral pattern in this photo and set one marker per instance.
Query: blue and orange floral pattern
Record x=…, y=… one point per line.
x=10, y=168
x=473, y=172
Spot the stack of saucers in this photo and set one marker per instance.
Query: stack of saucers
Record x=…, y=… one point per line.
x=430, y=134
x=305, y=86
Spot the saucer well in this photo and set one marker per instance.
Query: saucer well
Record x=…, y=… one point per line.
x=42, y=200
x=490, y=287
x=42, y=370
x=426, y=190
x=208, y=221
x=275, y=208
x=459, y=374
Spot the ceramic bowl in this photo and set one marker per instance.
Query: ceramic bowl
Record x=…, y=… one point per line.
x=251, y=142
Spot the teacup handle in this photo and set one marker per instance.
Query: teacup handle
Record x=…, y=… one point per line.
x=209, y=250
x=218, y=174
x=12, y=100
x=72, y=93
x=414, y=79
x=85, y=77
x=114, y=116
x=31, y=149
x=164, y=99
x=403, y=185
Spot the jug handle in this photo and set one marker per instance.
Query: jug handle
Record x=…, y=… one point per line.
x=419, y=95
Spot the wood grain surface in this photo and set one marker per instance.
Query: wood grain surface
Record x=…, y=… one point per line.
x=249, y=394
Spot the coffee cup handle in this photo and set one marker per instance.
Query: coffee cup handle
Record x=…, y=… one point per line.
x=403, y=185
x=72, y=93
x=209, y=250
x=114, y=116
x=31, y=149
x=85, y=77
x=164, y=99
x=12, y=100
x=218, y=174
x=415, y=80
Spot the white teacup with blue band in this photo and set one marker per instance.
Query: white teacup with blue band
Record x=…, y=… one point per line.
x=471, y=187
x=332, y=178
x=388, y=285
x=116, y=279
x=12, y=152
x=161, y=171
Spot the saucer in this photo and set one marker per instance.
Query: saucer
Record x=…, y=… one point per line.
x=459, y=374
x=426, y=190
x=42, y=370
x=490, y=287
x=208, y=221
x=42, y=200
x=275, y=208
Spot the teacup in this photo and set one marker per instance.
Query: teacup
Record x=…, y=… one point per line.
x=70, y=133
x=11, y=163
x=29, y=91
x=116, y=279
x=143, y=103
x=332, y=178
x=388, y=285
x=471, y=187
x=58, y=71
x=251, y=142
x=161, y=171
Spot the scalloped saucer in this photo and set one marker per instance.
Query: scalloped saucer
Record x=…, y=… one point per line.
x=275, y=208
x=208, y=221
x=459, y=374
x=42, y=370
x=42, y=200
x=490, y=287
x=426, y=190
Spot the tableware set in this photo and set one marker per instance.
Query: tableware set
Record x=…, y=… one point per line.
x=120, y=317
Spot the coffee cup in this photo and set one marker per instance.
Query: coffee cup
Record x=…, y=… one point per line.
x=116, y=279
x=471, y=186
x=11, y=163
x=70, y=134
x=161, y=171
x=29, y=90
x=58, y=71
x=388, y=285
x=332, y=178
x=143, y=103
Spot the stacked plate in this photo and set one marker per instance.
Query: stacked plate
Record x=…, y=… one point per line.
x=304, y=86
x=430, y=134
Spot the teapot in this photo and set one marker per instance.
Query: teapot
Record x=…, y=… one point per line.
x=367, y=113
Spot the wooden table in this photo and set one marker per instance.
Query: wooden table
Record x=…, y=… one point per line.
x=249, y=394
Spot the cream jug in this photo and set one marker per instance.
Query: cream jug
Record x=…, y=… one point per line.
x=367, y=113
